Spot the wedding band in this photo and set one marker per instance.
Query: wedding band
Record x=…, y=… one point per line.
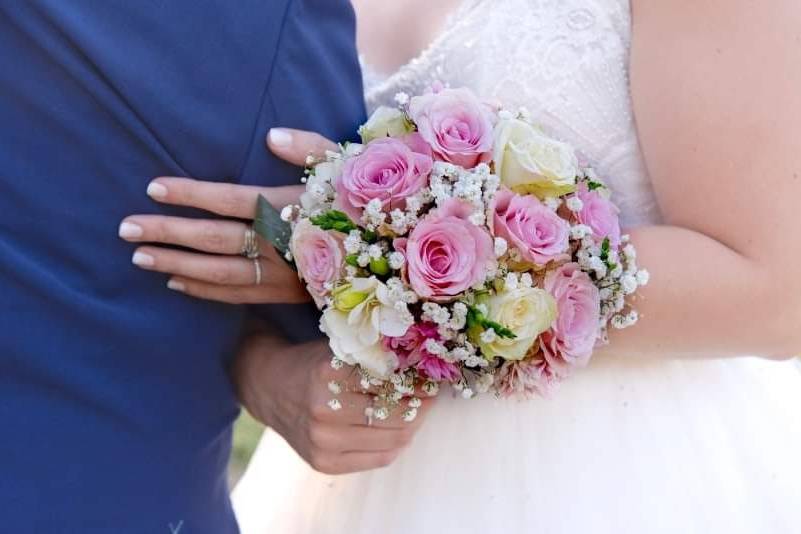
x=257, y=265
x=250, y=249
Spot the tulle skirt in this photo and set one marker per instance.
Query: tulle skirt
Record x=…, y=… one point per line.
x=623, y=447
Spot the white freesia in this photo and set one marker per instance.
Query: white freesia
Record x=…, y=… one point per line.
x=527, y=312
x=320, y=185
x=355, y=329
x=385, y=122
x=528, y=161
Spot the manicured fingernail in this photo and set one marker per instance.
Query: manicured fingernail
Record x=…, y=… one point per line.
x=156, y=190
x=176, y=285
x=143, y=260
x=130, y=230
x=280, y=137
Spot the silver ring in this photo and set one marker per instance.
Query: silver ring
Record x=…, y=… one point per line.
x=250, y=249
x=257, y=265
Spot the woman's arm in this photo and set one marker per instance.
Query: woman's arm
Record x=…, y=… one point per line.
x=717, y=96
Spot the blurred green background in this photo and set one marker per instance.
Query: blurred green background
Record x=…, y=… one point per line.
x=247, y=433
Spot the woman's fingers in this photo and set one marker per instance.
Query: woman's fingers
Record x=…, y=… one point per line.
x=291, y=293
x=295, y=146
x=218, y=237
x=239, y=201
x=228, y=200
x=220, y=270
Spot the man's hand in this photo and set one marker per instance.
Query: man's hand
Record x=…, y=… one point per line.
x=286, y=387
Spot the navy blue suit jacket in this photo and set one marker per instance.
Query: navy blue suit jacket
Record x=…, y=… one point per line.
x=115, y=404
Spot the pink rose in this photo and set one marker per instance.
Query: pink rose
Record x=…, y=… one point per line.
x=539, y=234
x=409, y=347
x=456, y=125
x=445, y=253
x=600, y=214
x=389, y=169
x=319, y=256
x=572, y=337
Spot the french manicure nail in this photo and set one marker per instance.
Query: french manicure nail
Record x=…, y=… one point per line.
x=176, y=285
x=130, y=230
x=156, y=190
x=280, y=137
x=143, y=260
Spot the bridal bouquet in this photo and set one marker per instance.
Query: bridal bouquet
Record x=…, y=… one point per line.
x=458, y=244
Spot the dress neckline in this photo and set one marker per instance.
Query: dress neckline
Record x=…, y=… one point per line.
x=453, y=22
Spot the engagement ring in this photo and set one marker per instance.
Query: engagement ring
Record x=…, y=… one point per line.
x=250, y=249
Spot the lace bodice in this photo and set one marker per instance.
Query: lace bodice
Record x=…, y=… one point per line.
x=564, y=60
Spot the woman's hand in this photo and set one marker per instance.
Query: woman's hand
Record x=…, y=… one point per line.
x=217, y=269
x=287, y=388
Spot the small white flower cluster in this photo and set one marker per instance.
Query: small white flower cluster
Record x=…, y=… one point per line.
x=401, y=221
x=514, y=280
x=453, y=346
x=398, y=292
x=476, y=186
x=617, y=284
x=449, y=321
x=374, y=215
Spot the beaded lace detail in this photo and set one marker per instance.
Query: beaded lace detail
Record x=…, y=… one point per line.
x=564, y=60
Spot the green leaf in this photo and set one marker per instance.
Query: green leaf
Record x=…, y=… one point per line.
x=500, y=330
x=269, y=225
x=334, y=220
x=369, y=236
x=477, y=319
x=352, y=260
x=592, y=185
x=605, y=247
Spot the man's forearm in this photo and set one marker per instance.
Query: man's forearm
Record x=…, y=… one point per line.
x=259, y=343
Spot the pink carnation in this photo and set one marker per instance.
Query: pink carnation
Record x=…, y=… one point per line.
x=600, y=214
x=445, y=253
x=389, y=170
x=437, y=369
x=409, y=347
x=571, y=339
x=525, y=379
x=411, y=352
x=539, y=234
x=456, y=125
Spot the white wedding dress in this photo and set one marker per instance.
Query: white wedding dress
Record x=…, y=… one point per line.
x=626, y=445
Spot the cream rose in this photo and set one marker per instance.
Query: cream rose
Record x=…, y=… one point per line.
x=362, y=314
x=527, y=312
x=529, y=162
x=385, y=122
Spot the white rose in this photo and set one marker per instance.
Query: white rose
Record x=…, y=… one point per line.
x=529, y=162
x=361, y=314
x=385, y=122
x=527, y=312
